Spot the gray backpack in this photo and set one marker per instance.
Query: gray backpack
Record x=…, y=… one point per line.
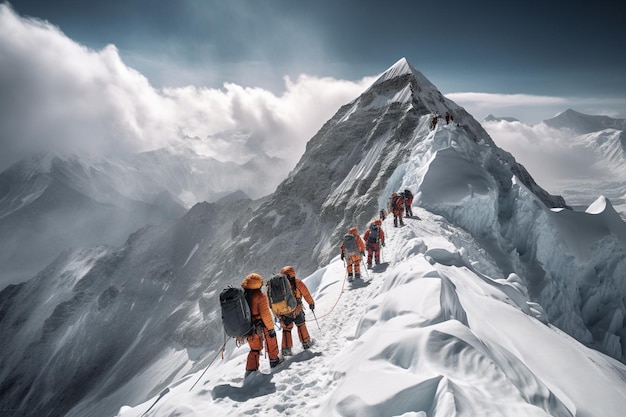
x=349, y=244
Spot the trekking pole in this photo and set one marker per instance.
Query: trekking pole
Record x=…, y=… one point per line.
x=365, y=268
x=207, y=367
x=316, y=322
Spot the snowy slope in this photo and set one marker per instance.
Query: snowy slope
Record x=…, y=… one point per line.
x=483, y=211
x=447, y=327
x=426, y=333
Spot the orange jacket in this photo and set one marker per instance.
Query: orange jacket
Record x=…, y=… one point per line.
x=303, y=291
x=396, y=205
x=260, y=309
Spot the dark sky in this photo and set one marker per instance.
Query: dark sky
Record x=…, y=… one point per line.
x=530, y=47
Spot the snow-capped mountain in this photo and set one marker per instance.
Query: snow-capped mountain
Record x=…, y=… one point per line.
x=347, y=168
x=48, y=204
x=106, y=327
x=576, y=155
x=600, y=142
x=53, y=202
x=583, y=123
x=492, y=118
x=603, y=136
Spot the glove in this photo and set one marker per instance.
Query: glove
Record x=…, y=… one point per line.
x=382, y=244
x=343, y=257
x=312, y=307
x=362, y=253
x=272, y=333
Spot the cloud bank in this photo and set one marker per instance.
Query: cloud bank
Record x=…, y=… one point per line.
x=550, y=155
x=532, y=109
x=61, y=96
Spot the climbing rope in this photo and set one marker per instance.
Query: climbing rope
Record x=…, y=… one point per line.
x=343, y=284
x=221, y=350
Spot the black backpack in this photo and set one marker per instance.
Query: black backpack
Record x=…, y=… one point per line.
x=374, y=234
x=236, y=316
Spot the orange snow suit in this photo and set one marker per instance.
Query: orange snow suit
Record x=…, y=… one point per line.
x=397, y=207
x=300, y=290
x=262, y=321
x=373, y=248
x=353, y=260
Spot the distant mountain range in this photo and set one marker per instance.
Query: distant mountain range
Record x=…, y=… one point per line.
x=492, y=118
x=583, y=123
x=52, y=202
x=595, y=147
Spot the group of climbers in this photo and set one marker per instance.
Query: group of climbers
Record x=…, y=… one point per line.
x=263, y=322
x=436, y=117
x=353, y=248
x=400, y=204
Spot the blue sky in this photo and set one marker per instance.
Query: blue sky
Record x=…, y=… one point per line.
x=132, y=74
x=531, y=47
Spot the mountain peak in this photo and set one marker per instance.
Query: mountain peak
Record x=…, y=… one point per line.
x=402, y=68
x=583, y=123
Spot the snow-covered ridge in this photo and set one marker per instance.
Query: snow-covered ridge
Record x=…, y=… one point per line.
x=425, y=333
x=486, y=252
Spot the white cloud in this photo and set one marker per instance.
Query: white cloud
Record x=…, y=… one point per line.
x=59, y=95
x=525, y=107
x=533, y=109
x=550, y=155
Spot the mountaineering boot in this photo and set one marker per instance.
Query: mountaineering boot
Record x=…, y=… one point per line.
x=275, y=362
x=286, y=351
x=248, y=373
x=357, y=276
x=307, y=345
x=369, y=265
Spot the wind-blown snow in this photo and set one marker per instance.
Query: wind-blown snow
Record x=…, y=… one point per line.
x=424, y=334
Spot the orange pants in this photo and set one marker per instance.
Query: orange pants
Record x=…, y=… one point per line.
x=256, y=345
x=286, y=323
x=353, y=262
